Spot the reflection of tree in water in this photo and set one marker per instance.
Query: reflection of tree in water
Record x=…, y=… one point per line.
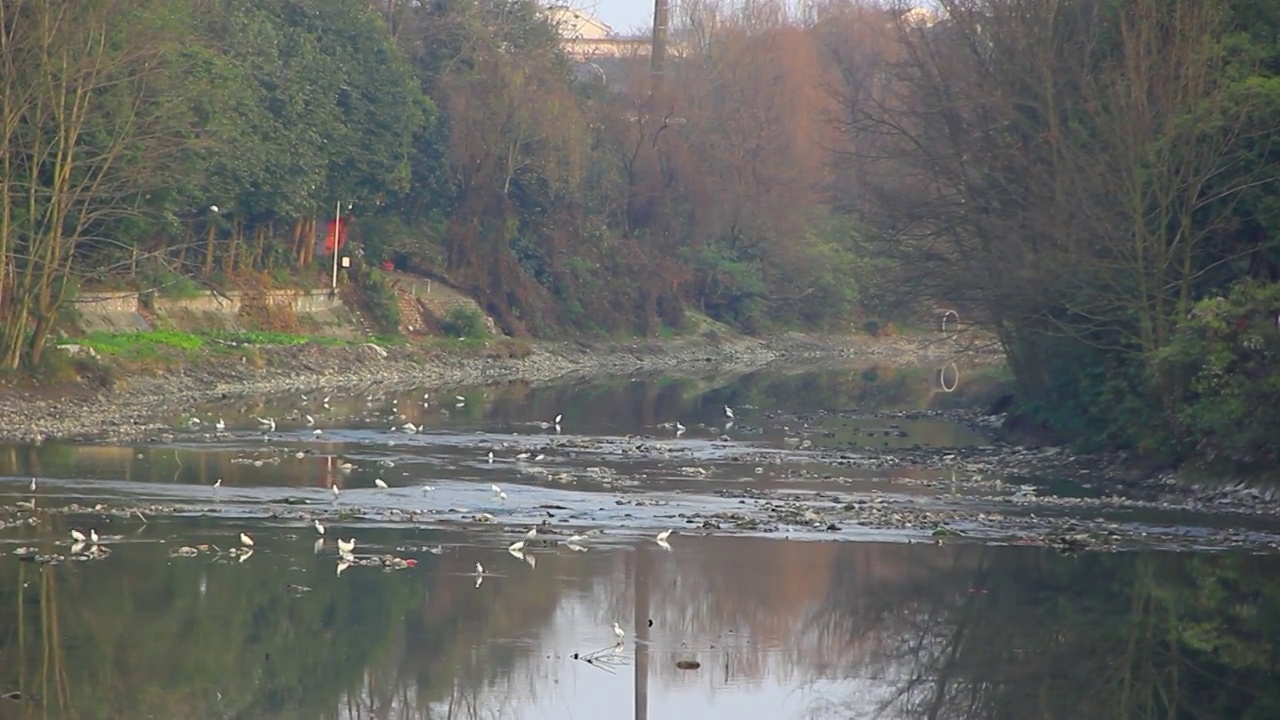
x=957, y=631
x=464, y=652
x=1011, y=633
x=136, y=642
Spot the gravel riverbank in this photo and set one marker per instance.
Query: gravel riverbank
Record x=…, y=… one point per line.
x=129, y=408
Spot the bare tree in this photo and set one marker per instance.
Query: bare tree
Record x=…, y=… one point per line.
x=80, y=139
x=1049, y=163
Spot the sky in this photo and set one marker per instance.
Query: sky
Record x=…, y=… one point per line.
x=627, y=15
x=621, y=15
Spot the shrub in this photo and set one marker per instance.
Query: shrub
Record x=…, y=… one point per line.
x=465, y=323
x=377, y=297
x=1220, y=375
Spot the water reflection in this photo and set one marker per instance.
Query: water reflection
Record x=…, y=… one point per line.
x=781, y=630
x=360, y=423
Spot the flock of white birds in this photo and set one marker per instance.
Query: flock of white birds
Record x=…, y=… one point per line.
x=346, y=547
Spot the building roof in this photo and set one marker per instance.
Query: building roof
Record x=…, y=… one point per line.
x=577, y=23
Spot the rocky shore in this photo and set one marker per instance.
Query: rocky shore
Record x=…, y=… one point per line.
x=130, y=406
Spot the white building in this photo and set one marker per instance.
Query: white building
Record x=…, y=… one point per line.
x=577, y=24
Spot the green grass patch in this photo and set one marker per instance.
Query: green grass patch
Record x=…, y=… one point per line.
x=133, y=343
x=155, y=343
x=261, y=337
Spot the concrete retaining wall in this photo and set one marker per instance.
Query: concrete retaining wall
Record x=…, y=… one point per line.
x=323, y=313
x=109, y=312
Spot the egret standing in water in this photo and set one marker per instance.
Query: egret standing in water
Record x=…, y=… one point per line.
x=245, y=540
x=381, y=483
x=619, y=633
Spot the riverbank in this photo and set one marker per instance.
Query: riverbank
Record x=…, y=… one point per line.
x=120, y=402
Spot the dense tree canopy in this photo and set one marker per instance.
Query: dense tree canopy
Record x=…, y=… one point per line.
x=1090, y=178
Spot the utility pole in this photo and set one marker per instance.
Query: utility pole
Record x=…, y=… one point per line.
x=658, y=56
x=337, y=235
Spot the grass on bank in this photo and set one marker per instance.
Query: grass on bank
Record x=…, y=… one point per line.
x=158, y=343
x=154, y=342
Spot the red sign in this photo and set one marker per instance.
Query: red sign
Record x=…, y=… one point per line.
x=328, y=235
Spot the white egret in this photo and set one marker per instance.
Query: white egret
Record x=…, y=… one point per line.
x=32, y=486
x=77, y=536
x=523, y=456
x=310, y=420
x=267, y=424
x=662, y=536
x=479, y=569
x=220, y=425
x=619, y=633
x=93, y=536
x=336, y=491
x=381, y=483
x=728, y=412
x=346, y=547
x=428, y=488
x=533, y=531
x=319, y=527
x=490, y=457
x=540, y=457
x=217, y=483
x=496, y=490
x=245, y=540
x=516, y=547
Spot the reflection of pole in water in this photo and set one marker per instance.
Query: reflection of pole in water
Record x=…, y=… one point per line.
x=644, y=559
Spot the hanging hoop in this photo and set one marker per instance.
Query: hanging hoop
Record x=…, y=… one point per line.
x=942, y=378
x=949, y=315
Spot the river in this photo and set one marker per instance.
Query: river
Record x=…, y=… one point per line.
x=845, y=549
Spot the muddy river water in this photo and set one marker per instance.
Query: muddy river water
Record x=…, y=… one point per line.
x=844, y=546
